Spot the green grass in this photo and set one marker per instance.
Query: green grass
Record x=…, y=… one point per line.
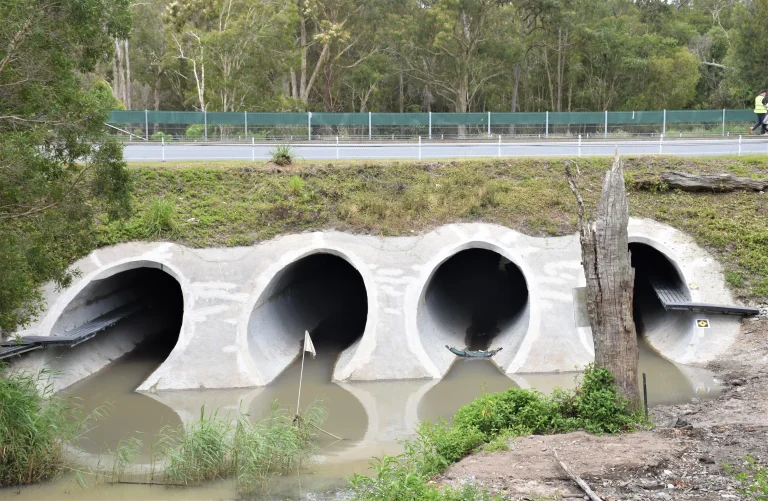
x=753, y=479
x=208, y=204
x=490, y=422
x=34, y=427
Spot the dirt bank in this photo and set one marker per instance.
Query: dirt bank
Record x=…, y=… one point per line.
x=681, y=458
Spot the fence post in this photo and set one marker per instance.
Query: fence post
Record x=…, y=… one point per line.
x=739, y=145
x=309, y=126
x=546, y=124
x=370, y=134
x=499, y=146
x=430, y=125
x=661, y=142
x=253, y=149
x=162, y=147
x=605, y=131
x=337, y=147
x=723, y=122
x=579, y=145
x=664, y=125
x=489, y=125
x=146, y=125
x=419, y=147
x=246, y=125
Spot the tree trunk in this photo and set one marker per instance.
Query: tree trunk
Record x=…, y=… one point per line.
x=610, y=281
x=719, y=183
x=126, y=56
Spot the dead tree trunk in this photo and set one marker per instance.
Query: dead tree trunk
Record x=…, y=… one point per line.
x=719, y=183
x=610, y=281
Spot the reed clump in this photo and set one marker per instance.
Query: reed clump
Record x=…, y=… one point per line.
x=217, y=447
x=34, y=427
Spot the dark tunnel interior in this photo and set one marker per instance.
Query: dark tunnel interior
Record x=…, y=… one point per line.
x=479, y=292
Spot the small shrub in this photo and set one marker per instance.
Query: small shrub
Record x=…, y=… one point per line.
x=195, y=131
x=754, y=480
x=160, y=135
x=282, y=154
x=159, y=219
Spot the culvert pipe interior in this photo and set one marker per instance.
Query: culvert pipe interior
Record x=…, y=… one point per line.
x=321, y=293
x=666, y=331
x=476, y=299
x=157, y=324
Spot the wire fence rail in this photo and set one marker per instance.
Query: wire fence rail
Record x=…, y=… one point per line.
x=249, y=127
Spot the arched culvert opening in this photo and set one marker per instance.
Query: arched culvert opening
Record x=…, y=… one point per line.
x=155, y=324
x=321, y=293
x=665, y=331
x=477, y=299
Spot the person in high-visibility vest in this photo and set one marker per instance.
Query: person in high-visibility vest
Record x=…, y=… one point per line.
x=760, y=111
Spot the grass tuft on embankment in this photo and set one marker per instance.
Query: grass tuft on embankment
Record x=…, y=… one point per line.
x=209, y=204
x=595, y=405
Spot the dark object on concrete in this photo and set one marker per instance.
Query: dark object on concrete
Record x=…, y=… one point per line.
x=70, y=338
x=719, y=183
x=473, y=353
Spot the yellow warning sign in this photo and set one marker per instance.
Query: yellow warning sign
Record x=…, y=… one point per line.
x=702, y=323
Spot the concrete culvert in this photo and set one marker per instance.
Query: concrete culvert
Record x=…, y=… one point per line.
x=157, y=324
x=668, y=332
x=477, y=299
x=321, y=293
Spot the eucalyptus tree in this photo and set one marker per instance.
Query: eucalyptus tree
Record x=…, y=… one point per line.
x=58, y=169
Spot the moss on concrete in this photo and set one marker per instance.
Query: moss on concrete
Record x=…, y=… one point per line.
x=237, y=203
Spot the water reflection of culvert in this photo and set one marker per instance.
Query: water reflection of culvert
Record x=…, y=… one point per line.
x=476, y=299
x=321, y=293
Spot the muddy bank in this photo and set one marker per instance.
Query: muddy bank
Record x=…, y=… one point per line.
x=681, y=458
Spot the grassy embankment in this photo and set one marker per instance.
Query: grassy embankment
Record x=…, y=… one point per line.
x=205, y=204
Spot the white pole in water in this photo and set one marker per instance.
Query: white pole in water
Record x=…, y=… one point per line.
x=301, y=376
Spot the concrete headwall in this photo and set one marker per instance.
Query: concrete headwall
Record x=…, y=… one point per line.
x=224, y=289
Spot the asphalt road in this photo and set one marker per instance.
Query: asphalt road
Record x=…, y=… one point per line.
x=136, y=152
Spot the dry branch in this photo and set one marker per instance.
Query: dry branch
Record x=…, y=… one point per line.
x=577, y=479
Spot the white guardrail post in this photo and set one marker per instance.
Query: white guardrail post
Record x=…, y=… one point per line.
x=739, y=145
x=664, y=125
x=661, y=142
x=309, y=126
x=146, y=124
x=546, y=124
x=162, y=147
x=419, y=147
x=370, y=133
x=579, y=149
x=499, y=152
x=253, y=149
x=337, y=147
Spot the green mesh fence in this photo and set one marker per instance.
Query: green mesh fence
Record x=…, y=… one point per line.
x=423, y=119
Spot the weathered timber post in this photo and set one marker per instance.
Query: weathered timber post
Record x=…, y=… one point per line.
x=610, y=281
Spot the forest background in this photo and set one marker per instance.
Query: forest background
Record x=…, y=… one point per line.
x=440, y=55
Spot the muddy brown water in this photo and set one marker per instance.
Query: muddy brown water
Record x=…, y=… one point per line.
x=371, y=417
